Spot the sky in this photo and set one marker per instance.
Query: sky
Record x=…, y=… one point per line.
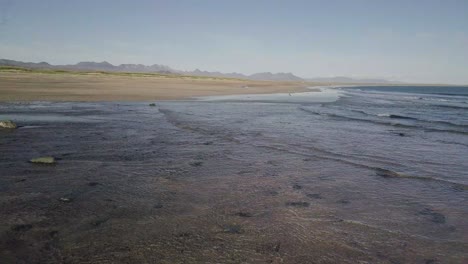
x=410, y=40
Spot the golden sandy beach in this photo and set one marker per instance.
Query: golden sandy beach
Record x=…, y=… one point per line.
x=33, y=86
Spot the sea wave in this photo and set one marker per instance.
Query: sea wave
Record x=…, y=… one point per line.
x=454, y=128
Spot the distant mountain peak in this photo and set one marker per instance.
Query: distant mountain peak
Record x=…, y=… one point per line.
x=344, y=79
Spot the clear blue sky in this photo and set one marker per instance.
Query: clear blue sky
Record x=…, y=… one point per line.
x=411, y=40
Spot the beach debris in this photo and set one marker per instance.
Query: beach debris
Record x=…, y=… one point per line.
x=7, y=124
x=152, y=104
x=65, y=199
x=298, y=204
x=386, y=173
x=43, y=160
x=93, y=184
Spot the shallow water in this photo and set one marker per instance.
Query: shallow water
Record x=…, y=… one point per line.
x=368, y=176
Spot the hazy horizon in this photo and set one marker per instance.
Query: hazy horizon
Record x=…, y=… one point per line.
x=421, y=41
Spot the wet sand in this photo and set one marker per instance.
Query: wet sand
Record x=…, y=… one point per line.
x=141, y=184
x=33, y=86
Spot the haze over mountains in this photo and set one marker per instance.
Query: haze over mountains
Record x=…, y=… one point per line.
x=157, y=68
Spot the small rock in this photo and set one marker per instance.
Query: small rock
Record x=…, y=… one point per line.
x=93, y=184
x=297, y=187
x=386, y=173
x=43, y=160
x=99, y=222
x=435, y=217
x=244, y=214
x=152, y=104
x=19, y=228
x=314, y=195
x=460, y=187
x=344, y=201
x=7, y=124
x=65, y=200
x=298, y=204
x=233, y=229
x=196, y=163
x=184, y=234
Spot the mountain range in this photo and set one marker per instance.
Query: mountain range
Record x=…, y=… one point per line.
x=342, y=79
x=157, y=68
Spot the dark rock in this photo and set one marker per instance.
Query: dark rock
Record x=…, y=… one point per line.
x=53, y=233
x=184, y=234
x=344, y=201
x=269, y=247
x=21, y=227
x=386, y=173
x=196, y=163
x=435, y=217
x=93, y=183
x=273, y=193
x=297, y=187
x=298, y=204
x=233, y=229
x=152, y=104
x=99, y=222
x=244, y=214
x=314, y=195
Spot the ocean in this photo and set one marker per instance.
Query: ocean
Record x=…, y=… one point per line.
x=345, y=175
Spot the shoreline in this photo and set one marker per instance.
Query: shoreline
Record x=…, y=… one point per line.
x=103, y=87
